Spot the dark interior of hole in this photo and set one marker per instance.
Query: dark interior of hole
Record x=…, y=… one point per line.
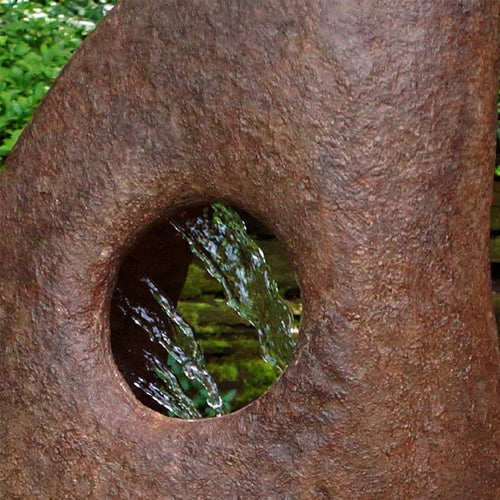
x=164, y=255
x=495, y=276
x=495, y=284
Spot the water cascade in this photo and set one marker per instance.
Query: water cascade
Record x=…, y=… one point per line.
x=182, y=384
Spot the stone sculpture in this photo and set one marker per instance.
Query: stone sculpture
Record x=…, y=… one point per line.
x=362, y=134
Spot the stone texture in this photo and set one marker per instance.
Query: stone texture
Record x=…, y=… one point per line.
x=362, y=134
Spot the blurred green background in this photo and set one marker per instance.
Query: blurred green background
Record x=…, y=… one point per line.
x=36, y=40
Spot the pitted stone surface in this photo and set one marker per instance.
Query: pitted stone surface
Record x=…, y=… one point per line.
x=362, y=134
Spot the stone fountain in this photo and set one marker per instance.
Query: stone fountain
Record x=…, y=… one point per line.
x=362, y=134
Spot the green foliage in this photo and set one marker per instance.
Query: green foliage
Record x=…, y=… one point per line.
x=196, y=392
x=36, y=40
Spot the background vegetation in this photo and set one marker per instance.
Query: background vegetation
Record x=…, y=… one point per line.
x=36, y=40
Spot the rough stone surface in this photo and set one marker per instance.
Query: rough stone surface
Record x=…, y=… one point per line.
x=362, y=134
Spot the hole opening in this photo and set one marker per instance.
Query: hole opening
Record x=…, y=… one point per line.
x=205, y=313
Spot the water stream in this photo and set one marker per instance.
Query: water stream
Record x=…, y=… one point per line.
x=219, y=239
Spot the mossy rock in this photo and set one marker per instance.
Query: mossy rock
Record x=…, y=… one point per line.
x=496, y=304
x=199, y=283
x=495, y=249
x=211, y=317
x=215, y=346
x=223, y=372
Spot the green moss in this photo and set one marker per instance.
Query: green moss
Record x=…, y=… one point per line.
x=495, y=249
x=211, y=317
x=224, y=372
x=259, y=373
x=214, y=346
x=199, y=283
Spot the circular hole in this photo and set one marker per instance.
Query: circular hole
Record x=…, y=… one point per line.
x=205, y=313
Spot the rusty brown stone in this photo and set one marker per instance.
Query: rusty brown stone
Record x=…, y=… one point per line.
x=362, y=134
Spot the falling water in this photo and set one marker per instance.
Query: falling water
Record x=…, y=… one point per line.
x=219, y=239
x=182, y=347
